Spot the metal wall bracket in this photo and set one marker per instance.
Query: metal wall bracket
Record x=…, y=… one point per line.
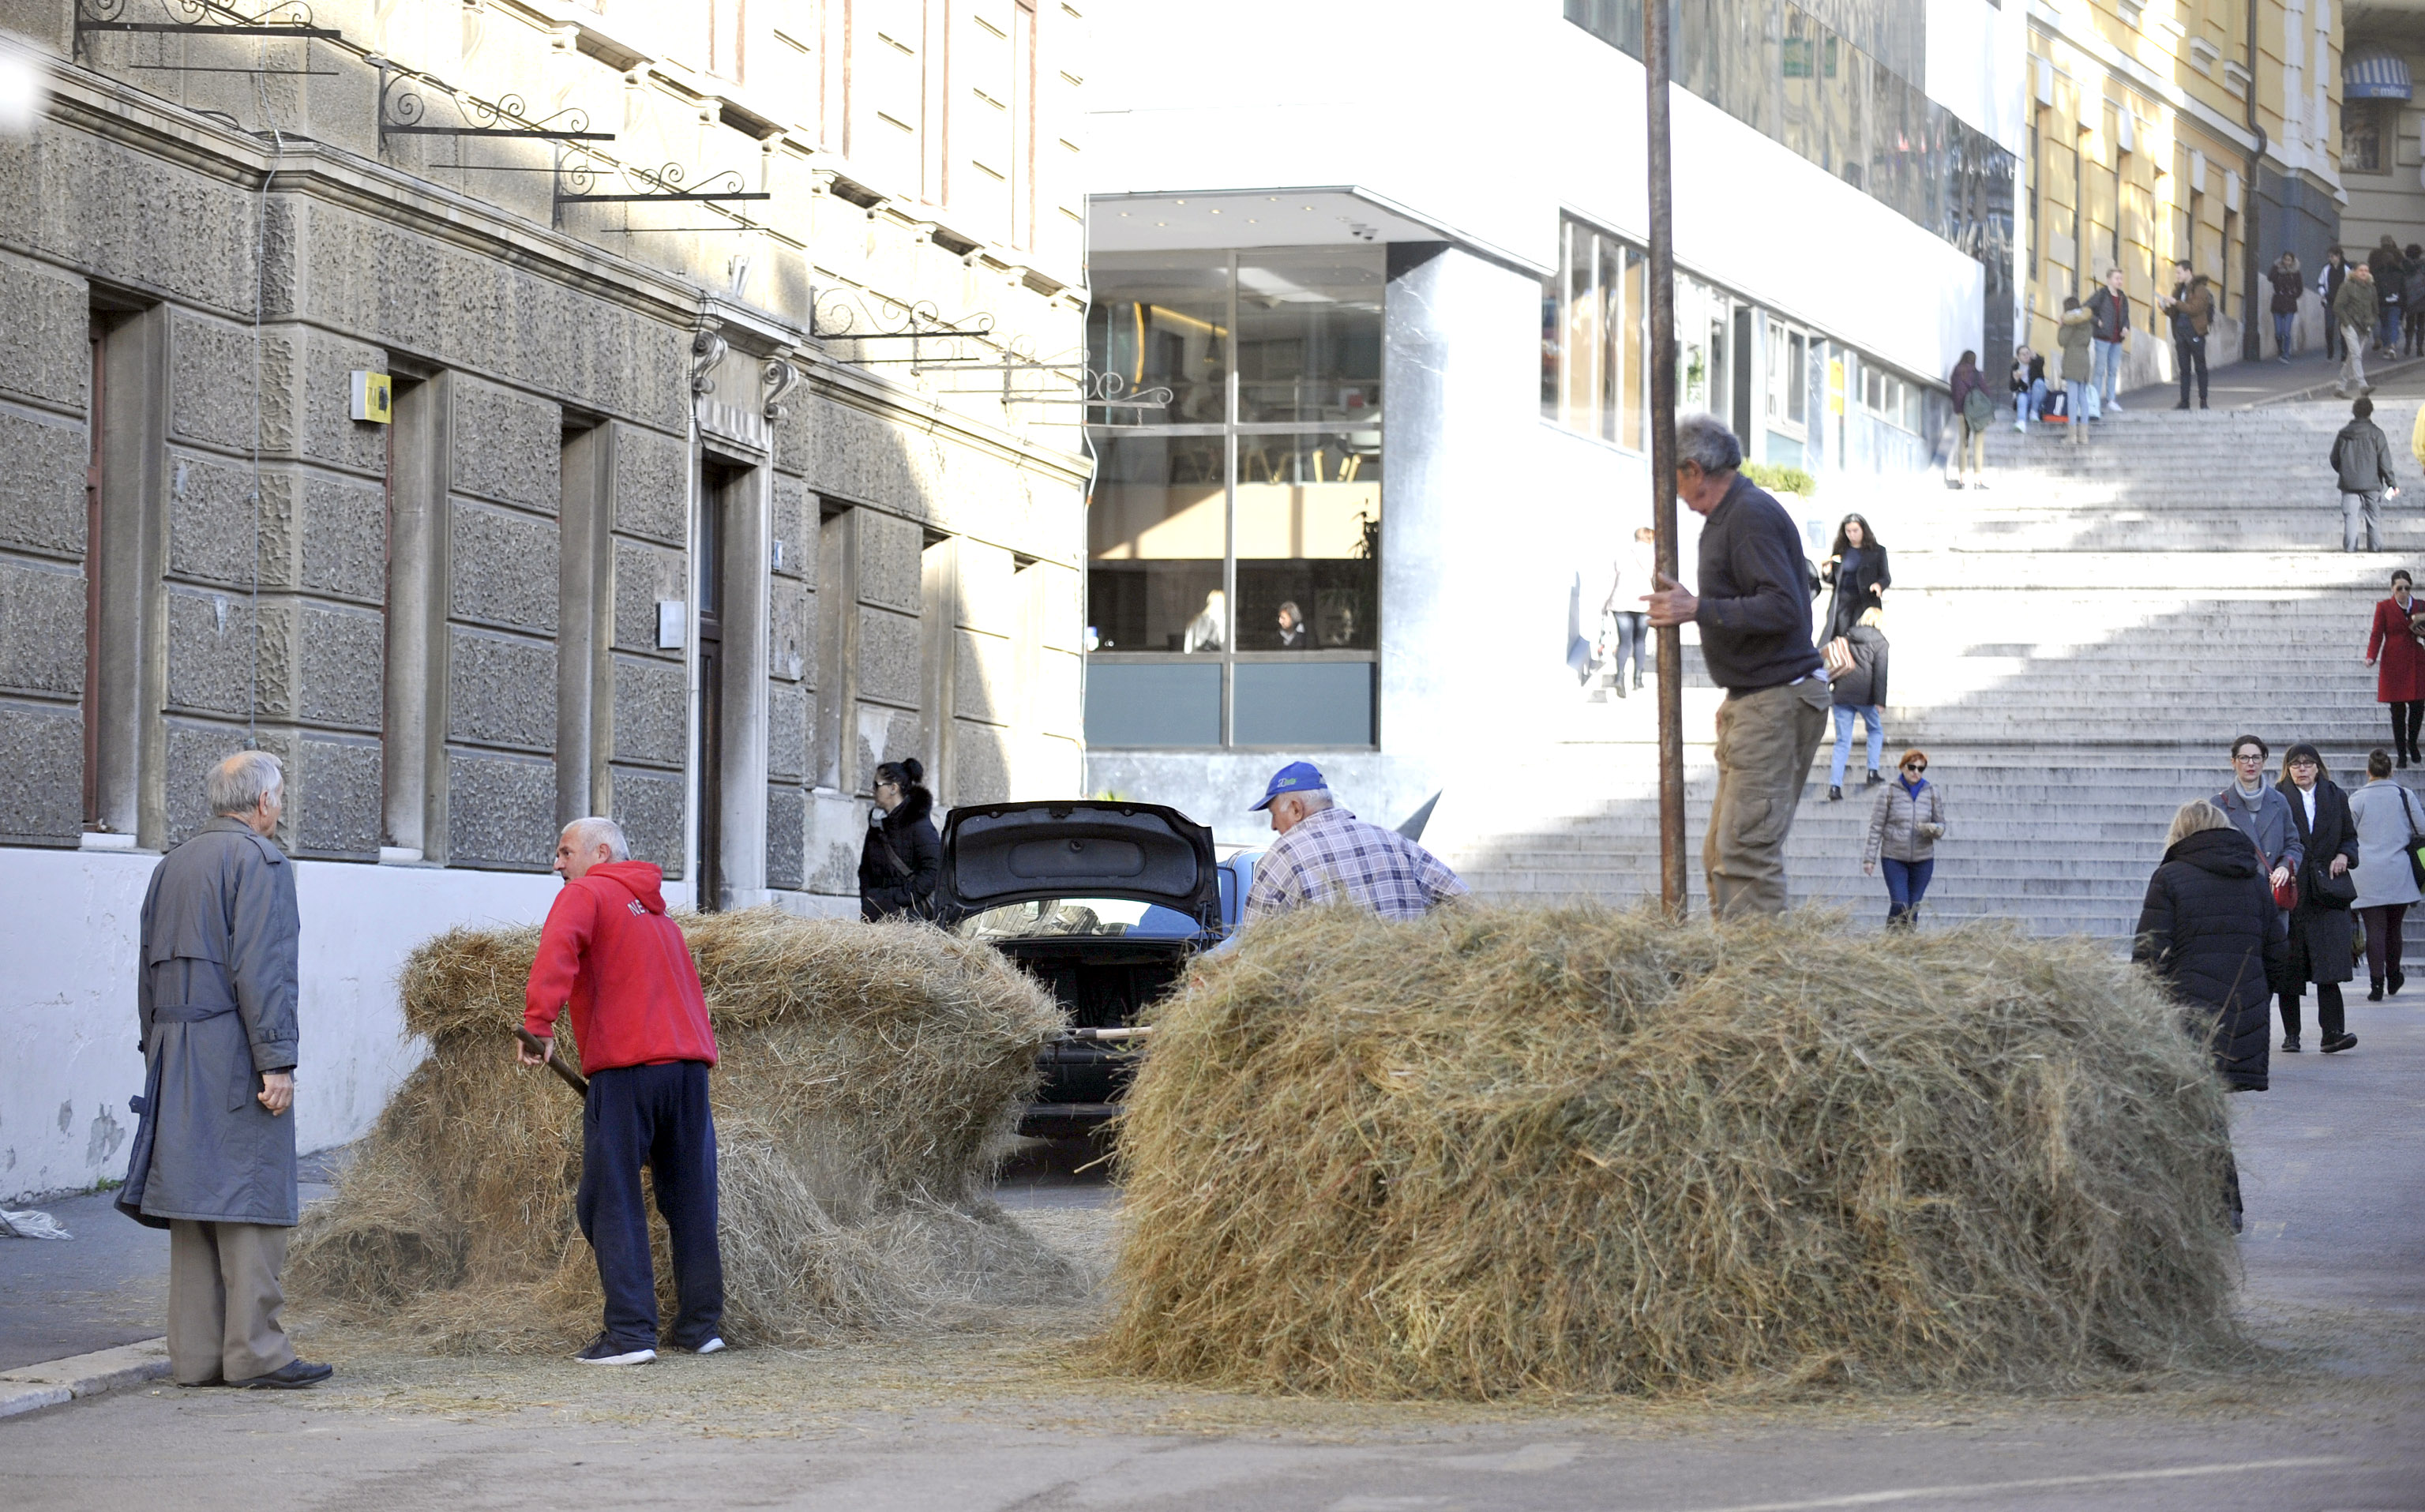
x=403, y=112
x=576, y=179
x=203, y=17
x=839, y=315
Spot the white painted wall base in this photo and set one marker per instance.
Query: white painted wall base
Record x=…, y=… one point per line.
x=68, y=1055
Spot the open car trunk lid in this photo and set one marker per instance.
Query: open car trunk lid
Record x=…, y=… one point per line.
x=1000, y=853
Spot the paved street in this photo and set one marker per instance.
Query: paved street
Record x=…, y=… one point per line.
x=1002, y=1417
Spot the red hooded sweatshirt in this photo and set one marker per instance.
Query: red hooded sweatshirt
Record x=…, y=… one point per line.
x=610, y=951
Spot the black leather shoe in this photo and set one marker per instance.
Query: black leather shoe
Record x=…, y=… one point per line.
x=2393, y=983
x=289, y=1376
x=1835, y=795
x=1874, y=778
x=2374, y=992
x=2291, y=1044
x=2338, y=1043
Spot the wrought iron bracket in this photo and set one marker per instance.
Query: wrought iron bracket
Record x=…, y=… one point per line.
x=290, y=19
x=577, y=177
x=840, y=315
x=403, y=109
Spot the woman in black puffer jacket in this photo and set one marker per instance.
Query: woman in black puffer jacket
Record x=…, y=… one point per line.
x=2210, y=931
x=2209, y=928
x=902, y=857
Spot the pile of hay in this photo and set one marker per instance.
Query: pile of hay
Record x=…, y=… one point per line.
x=1584, y=1150
x=870, y=1075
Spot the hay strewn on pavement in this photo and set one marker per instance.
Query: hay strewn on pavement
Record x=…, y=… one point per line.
x=1582, y=1151
x=870, y=1075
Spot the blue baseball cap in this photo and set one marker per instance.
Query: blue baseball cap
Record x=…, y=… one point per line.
x=1297, y=776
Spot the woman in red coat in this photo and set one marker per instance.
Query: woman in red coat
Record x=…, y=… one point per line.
x=2401, y=681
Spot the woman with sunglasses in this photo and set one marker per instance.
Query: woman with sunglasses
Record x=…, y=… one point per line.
x=2323, y=935
x=1905, y=828
x=902, y=857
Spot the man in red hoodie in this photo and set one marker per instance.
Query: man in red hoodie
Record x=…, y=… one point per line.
x=639, y=1021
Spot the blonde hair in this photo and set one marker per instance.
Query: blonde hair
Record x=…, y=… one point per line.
x=2195, y=817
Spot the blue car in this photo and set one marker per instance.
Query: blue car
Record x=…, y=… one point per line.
x=1103, y=902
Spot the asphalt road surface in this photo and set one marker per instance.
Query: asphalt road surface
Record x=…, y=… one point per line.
x=999, y=1418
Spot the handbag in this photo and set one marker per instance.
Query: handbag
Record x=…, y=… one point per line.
x=2325, y=891
x=2416, y=847
x=1839, y=654
x=2285, y=893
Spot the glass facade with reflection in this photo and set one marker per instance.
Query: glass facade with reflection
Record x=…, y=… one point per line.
x=1840, y=82
x=1234, y=536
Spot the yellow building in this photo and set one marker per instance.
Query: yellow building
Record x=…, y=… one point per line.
x=2145, y=147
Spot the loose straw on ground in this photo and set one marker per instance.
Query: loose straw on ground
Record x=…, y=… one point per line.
x=871, y=1075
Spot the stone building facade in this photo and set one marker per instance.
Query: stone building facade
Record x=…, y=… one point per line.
x=640, y=534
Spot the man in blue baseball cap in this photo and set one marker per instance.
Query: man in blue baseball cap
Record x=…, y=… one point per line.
x=1324, y=854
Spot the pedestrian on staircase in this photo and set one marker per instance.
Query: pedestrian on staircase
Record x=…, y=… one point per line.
x=2355, y=309
x=2388, y=818
x=2393, y=650
x=1755, y=641
x=2109, y=310
x=1626, y=633
x=1974, y=411
x=2191, y=307
x=2210, y=931
x=2328, y=287
x=2260, y=811
x=2073, y=333
x=2361, y=459
x=2324, y=936
x=1856, y=569
x=1860, y=689
x=1904, y=827
x=2029, y=389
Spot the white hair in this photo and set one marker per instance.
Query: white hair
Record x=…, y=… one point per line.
x=1704, y=440
x=593, y=831
x=238, y=784
x=1314, y=798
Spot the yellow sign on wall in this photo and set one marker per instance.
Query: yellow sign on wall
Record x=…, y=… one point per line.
x=373, y=398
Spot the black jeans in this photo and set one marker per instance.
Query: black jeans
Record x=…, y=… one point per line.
x=655, y=1115
x=1632, y=641
x=2330, y=1022
x=2405, y=721
x=2190, y=352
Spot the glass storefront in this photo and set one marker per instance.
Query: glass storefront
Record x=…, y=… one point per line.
x=1233, y=539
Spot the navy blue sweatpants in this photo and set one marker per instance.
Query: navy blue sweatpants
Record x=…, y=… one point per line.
x=657, y=1117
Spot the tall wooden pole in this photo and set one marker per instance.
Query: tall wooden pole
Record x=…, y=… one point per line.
x=1662, y=460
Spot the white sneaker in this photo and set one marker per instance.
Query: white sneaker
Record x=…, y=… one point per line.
x=2021, y=426
x=712, y=1346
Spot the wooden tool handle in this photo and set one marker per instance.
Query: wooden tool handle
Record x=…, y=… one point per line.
x=539, y=1047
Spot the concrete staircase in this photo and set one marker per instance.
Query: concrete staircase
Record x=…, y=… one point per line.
x=2074, y=646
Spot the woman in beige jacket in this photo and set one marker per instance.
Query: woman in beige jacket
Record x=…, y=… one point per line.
x=1905, y=828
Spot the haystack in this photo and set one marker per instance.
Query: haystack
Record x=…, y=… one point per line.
x=870, y=1077
x=1584, y=1150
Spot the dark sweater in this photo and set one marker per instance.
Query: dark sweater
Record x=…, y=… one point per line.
x=1755, y=614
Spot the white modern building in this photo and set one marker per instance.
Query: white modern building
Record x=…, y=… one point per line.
x=1392, y=277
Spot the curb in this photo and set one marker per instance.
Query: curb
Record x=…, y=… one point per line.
x=2328, y=391
x=31, y=1388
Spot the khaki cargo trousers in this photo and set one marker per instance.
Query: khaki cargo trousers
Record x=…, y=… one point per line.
x=1765, y=743
x=223, y=1301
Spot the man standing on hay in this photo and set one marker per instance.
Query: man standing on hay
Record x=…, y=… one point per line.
x=1754, y=611
x=1324, y=854
x=213, y=1156
x=639, y=1021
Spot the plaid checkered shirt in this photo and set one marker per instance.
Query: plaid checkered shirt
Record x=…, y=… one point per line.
x=1332, y=854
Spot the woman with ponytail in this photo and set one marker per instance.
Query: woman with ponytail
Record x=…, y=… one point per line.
x=902, y=856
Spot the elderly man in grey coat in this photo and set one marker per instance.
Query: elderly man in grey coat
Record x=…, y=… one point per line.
x=213, y=1156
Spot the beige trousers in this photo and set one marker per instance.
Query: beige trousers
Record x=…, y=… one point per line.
x=223, y=1301
x=1765, y=743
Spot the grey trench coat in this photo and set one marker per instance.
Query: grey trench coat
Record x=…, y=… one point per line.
x=214, y=994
